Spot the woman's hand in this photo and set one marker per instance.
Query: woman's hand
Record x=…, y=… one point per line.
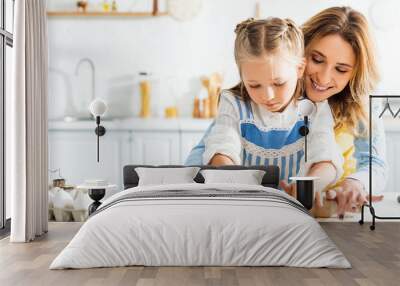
x=350, y=195
x=321, y=207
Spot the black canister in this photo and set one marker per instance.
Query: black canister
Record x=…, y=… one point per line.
x=305, y=192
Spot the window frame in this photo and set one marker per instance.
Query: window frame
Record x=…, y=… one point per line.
x=6, y=39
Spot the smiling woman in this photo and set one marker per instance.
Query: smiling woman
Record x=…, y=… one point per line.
x=341, y=67
x=341, y=64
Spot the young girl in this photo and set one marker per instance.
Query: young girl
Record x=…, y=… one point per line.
x=258, y=121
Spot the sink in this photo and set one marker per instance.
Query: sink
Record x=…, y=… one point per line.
x=91, y=118
x=81, y=118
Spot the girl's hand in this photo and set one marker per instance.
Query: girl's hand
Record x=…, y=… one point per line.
x=221, y=160
x=350, y=195
x=289, y=189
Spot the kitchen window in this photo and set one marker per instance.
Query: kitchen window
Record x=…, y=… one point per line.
x=6, y=44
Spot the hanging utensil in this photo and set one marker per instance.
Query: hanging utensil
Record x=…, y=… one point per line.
x=387, y=107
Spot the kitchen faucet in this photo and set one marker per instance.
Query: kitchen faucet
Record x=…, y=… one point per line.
x=90, y=62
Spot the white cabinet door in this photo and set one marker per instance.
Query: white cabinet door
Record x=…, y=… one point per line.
x=188, y=141
x=74, y=152
x=393, y=160
x=155, y=148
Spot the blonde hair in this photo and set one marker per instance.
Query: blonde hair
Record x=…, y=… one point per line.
x=349, y=105
x=257, y=38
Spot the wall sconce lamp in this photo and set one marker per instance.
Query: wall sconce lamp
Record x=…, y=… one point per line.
x=306, y=107
x=98, y=107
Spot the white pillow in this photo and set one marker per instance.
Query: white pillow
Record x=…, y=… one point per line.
x=248, y=177
x=166, y=176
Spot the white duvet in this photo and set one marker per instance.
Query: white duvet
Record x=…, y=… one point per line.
x=183, y=231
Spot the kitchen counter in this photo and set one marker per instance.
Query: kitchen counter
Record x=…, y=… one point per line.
x=163, y=124
x=138, y=124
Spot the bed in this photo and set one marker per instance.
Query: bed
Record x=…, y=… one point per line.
x=201, y=224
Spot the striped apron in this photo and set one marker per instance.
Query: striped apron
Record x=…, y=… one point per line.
x=262, y=145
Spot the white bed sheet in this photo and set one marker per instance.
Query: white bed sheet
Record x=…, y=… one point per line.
x=200, y=231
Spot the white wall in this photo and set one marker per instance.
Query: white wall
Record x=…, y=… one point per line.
x=120, y=47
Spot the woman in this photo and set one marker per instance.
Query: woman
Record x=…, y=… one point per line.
x=341, y=68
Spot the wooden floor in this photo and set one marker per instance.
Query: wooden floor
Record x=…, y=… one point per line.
x=374, y=255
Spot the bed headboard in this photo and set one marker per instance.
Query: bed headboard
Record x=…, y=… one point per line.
x=270, y=179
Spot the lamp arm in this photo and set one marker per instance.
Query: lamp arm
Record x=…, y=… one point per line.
x=305, y=137
x=304, y=130
x=100, y=131
x=98, y=145
x=98, y=137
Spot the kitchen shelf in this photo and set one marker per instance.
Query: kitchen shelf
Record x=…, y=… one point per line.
x=103, y=14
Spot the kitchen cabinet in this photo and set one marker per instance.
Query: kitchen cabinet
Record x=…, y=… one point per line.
x=393, y=161
x=392, y=131
x=74, y=152
x=72, y=146
x=155, y=148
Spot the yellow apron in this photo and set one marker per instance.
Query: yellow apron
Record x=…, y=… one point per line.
x=345, y=140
